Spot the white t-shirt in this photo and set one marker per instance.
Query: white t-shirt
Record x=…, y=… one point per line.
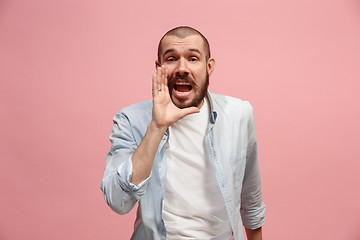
x=193, y=205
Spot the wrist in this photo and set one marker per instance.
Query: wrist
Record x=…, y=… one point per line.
x=157, y=128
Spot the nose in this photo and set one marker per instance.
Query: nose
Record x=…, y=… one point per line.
x=182, y=67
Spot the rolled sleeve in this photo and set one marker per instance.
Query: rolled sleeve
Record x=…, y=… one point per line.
x=252, y=206
x=255, y=217
x=119, y=193
x=124, y=173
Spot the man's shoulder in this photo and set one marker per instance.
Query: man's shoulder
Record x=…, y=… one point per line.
x=140, y=109
x=140, y=106
x=232, y=111
x=224, y=101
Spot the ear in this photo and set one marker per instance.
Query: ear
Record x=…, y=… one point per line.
x=157, y=64
x=210, y=65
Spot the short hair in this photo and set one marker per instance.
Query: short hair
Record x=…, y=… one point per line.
x=183, y=32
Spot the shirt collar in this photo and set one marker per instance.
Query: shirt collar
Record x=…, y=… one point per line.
x=213, y=109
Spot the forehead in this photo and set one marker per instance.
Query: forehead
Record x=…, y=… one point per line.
x=182, y=44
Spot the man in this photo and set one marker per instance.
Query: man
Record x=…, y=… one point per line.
x=188, y=158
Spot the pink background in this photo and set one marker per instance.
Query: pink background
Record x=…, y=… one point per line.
x=66, y=67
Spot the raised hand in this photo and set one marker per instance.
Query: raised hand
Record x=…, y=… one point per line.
x=165, y=112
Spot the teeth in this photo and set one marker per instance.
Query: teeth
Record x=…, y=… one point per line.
x=182, y=83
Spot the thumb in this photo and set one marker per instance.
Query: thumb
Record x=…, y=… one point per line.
x=189, y=110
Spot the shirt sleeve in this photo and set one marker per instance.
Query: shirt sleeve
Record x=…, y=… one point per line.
x=252, y=206
x=119, y=193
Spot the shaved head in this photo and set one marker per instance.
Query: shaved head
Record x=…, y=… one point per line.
x=183, y=32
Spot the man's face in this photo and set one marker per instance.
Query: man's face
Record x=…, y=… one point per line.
x=188, y=69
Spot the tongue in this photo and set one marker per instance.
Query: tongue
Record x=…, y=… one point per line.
x=183, y=88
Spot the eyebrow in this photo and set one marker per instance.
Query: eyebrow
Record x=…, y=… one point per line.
x=195, y=50
x=173, y=50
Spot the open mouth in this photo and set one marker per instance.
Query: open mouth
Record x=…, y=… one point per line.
x=182, y=87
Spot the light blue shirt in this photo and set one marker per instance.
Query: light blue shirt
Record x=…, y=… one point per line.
x=231, y=147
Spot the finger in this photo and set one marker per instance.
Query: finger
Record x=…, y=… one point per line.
x=155, y=79
x=189, y=110
x=161, y=79
x=154, y=85
x=166, y=79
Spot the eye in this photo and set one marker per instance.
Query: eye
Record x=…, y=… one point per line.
x=194, y=59
x=170, y=59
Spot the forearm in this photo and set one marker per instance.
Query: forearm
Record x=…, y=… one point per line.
x=164, y=114
x=143, y=157
x=119, y=200
x=254, y=234
x=119, y=193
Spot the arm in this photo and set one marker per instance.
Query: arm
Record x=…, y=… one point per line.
x=128, y=166
x=252, y=207
x=164, y=114
x=254, y=234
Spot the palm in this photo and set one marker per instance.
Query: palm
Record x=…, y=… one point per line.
x=165, y=112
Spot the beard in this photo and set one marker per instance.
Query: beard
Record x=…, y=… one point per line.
x=198, y=99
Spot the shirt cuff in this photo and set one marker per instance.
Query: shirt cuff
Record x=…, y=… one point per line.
x=254, y=218
x=124, y=173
